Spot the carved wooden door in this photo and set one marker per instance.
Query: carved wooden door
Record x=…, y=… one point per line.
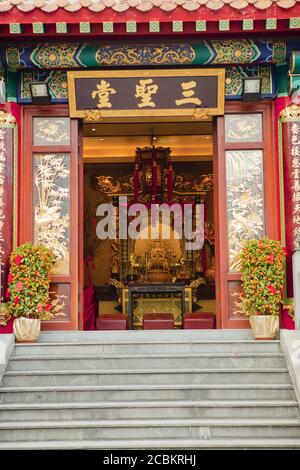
x=246, y=192
x=49, y=203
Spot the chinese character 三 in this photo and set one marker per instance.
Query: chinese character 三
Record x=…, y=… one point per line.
x=188, y=93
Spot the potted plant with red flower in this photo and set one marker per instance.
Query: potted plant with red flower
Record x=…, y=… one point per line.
x=28, y=289
x=262, y=285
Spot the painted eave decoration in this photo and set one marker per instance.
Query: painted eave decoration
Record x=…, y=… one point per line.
x=141, y=5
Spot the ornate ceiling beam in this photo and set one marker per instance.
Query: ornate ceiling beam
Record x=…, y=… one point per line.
x=96, y=54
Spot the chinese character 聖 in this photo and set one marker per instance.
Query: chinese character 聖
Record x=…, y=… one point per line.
x=188, y=93
x=144, y=90
x=104, y=90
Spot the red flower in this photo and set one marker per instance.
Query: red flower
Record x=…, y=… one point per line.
x=39, y=308
x=271, y=258
x=18, y=260
x=48, y=307
x=19, y=286
x=10, y=277
x=272, y=289
x=16, y=301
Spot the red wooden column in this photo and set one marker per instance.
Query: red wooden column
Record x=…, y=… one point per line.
x=289, y=171
x=9, y=163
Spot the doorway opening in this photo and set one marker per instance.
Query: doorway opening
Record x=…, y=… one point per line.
x=137, y=277
x=247, y=137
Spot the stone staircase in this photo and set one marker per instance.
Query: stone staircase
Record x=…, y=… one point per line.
x=158, y=389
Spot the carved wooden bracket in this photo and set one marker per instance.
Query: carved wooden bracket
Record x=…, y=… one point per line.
x=6, y=118
x=290, y=112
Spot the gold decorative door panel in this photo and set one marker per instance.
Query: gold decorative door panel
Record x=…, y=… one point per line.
x=246, y=197
x=49, y=208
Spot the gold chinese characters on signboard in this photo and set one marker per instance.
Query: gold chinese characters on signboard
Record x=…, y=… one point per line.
x=295, y=154
x=146, y=93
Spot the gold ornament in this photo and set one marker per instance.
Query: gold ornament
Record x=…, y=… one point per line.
x=109, y=184
x=201, y=114
x=117, y=284
x=290, y=308
x=194, y=286
x=4, y=315
x=290, y=112
x=6, y=118
x=92, y=115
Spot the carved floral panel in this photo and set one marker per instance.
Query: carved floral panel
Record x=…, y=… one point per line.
x=245, y=201
x=234, y=292
x=60, y=295
x=51, y=131
x=243, y=127
x=52, y=206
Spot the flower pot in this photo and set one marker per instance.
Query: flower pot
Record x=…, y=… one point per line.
x=27, y=330
x=264, y=326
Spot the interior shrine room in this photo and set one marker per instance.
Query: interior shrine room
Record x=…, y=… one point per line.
x=160, y=280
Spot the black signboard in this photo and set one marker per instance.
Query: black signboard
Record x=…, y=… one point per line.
x=188, y=93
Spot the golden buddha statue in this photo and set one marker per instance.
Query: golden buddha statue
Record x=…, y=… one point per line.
x=158, y=264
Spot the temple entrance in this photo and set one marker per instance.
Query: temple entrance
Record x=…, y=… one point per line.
x=101, y=163
x=150, y=276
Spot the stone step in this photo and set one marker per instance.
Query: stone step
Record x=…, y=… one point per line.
x=158, y=376
x=139, y=389
x=151, y=361
x=149, y=410
x=224, y=443
x=150, y=429
x=142, y=336
x=61, y=394
x=147, y=347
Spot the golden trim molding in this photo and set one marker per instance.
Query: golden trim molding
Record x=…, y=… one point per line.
x=290, y=113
